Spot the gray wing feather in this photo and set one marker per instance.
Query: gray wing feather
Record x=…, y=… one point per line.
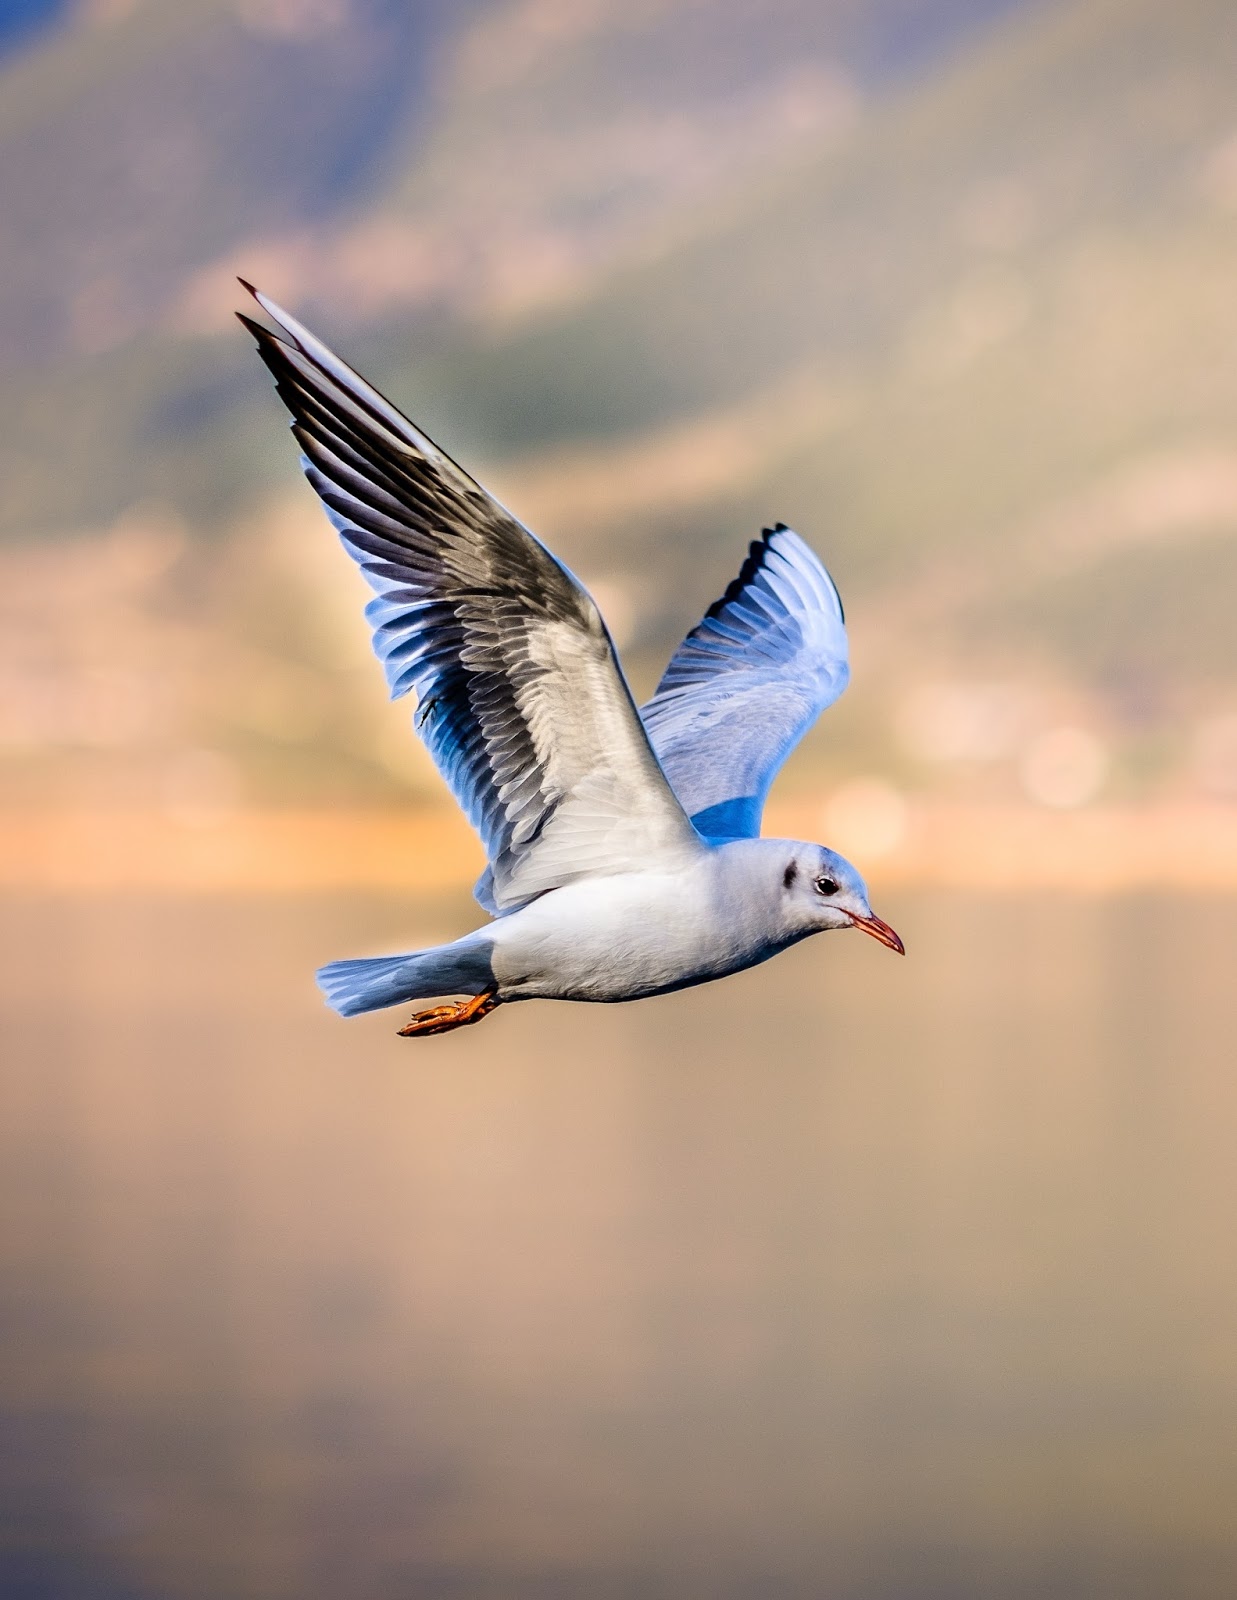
x=521, y=699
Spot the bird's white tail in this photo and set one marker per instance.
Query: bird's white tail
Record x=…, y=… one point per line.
x=373, y=982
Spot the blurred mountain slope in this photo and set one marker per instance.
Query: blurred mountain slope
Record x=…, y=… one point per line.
x=968, y=322
x=1003, y=300
x=925, y=233
x=406, y=170
x=142, y=138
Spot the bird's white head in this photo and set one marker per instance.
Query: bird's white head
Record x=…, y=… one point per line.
x=821, y=890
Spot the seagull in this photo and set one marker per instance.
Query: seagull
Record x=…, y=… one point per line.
x=624, y=848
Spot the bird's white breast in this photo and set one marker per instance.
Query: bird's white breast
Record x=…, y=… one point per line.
x=633, y=934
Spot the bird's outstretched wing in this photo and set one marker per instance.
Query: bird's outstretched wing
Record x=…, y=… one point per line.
x=747, y=683
x=520, y=697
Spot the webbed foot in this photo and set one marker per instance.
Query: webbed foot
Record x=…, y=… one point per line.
x=442, y=1019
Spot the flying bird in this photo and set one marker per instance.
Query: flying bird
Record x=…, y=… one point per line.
x=624, y=848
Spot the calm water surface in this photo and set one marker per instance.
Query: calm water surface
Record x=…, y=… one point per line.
x=852, y=1277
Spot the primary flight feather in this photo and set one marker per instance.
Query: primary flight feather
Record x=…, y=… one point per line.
x=623, y=844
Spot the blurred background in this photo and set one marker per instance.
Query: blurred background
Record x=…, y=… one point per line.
x=848, y=1278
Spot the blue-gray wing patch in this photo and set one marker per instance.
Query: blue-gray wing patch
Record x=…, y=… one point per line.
x=747, y=683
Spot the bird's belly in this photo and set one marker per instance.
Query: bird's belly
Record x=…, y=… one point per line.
x=620, y=938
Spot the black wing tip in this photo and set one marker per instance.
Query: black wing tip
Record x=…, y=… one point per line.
x=757, y=554
x=757, y=557
x=260, y=331
x=271, y=348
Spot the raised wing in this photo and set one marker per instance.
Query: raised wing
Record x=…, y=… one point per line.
x=521, y=700
x=747, y=683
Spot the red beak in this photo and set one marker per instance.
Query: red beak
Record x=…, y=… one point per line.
x=880, y=931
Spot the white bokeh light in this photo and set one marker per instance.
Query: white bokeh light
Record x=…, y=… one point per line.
x=865, y=818
x=1063, y=767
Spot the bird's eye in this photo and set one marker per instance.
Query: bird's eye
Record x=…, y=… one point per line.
x=826, y=886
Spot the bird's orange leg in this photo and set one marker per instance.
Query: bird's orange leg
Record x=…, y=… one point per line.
x=442, y=1019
